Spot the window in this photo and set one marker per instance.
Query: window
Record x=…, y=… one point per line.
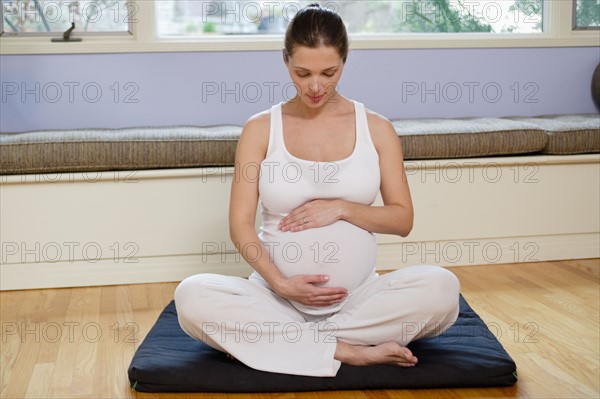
x=24, y=17
x=586, y=14
x=197, y=25
x=201, y=18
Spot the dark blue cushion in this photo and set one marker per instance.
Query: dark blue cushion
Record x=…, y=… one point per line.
x=466, y=355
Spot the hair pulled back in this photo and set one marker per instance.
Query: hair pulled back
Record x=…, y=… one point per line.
x=315, y=26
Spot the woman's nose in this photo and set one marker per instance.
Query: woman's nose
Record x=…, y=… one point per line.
x=315, y=86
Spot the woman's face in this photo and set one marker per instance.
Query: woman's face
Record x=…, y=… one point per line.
x=315, y=72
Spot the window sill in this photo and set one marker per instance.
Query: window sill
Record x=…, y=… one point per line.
x=98, y=44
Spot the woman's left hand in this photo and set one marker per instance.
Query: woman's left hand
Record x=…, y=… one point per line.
x=316, y=213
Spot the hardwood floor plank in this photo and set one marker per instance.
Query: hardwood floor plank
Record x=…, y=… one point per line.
x=76, y=326
x=24, y=346
x=541, y=377
x=116, y=348
x=10, y=337
x=40, y=381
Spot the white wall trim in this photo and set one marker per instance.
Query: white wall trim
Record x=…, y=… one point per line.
x=100, y=45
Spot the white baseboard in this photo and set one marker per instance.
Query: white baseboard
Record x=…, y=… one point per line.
x=489, y=251
x=108, y=272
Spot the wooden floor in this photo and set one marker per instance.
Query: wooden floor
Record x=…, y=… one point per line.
x=78, y=342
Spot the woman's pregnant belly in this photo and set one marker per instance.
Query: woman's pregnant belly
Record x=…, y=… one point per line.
x=343, y=251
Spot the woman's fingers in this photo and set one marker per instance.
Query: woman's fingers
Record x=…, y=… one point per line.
x=323, y=296
x=306, y=290
x=315, y=213
x=329, y=300
x=295, y=220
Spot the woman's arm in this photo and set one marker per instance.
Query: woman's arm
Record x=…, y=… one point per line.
x=250, y=152
x=396, y=214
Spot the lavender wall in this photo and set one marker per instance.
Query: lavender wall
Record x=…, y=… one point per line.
x=205, y=88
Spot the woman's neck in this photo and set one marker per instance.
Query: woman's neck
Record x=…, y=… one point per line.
x=329, y=106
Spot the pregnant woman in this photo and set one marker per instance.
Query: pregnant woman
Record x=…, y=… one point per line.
x=316, y=164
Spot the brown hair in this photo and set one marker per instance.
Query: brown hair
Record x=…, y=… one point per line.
x=315, y=26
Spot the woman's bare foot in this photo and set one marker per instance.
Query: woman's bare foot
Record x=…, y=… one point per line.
x=386, y=353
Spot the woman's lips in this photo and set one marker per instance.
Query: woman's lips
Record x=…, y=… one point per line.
x=316, y=99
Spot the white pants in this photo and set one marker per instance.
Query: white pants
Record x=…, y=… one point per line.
x=265, y=332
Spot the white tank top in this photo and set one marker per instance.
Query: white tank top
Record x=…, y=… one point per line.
x=341, y=250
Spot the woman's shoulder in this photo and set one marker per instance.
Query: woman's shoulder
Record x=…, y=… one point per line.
x=380, y=127
x=376, y=119
x=258, y=120
x=258, y=124
x=384, y=136
x=255, y=133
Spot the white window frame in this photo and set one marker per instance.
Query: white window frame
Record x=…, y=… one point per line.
x=558, y=18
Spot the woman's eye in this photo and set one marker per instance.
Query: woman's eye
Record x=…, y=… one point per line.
x=306, y=75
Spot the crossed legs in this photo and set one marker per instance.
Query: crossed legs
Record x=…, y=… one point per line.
x=266, y=332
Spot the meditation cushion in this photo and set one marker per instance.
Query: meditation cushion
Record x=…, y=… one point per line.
x=466, y=355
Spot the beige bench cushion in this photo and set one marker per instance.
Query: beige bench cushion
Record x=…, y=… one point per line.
x=117, y=149
x=188, y=146
x=569, y=134
x=467, y=137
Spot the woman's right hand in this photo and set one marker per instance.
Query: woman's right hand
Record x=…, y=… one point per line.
x=305, y=290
